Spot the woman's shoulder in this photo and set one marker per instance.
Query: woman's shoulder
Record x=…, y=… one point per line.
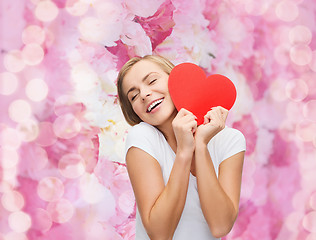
x=145, y=137
x=142, y=129
x=143, y=132
x=230, y=132
x=228, y=136
x=226, y=143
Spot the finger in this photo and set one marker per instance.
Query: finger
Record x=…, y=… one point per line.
x=181, y=122
x=183, y=116
x=207, y=117
x=216, y=119
x=220, y=116
x=221, y=112
x=224, y=111
x=184, y=112
x=192, y=125
x=213, y=119
x=187, y=118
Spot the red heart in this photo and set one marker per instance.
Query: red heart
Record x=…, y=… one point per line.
x=190, y=89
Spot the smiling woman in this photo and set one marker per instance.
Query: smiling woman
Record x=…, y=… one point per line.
x=131, y=117
x=183, y=187
x=146, y=87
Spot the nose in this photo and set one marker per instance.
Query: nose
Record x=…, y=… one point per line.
x=145, y=93
x=144, y=96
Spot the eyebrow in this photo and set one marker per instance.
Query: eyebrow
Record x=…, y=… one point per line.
x=143, y=80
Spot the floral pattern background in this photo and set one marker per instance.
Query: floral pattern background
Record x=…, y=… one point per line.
x=62, y=132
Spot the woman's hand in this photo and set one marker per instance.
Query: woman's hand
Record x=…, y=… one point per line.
x=184, y=126
x=214, y=122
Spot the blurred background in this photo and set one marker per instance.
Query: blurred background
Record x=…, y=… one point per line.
x=62, y=132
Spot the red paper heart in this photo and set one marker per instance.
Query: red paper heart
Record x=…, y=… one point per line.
x=191, y=89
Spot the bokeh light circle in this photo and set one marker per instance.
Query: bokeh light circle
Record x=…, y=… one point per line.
x=294, y=111
x=41, y=220
x=277, y=90
x=13, y=61
x=9, y=157
x=61, y=211
x=20, y=110
x=306, y=130
x=33, y=54
x=15, y=236
x=66, y=126
x=86, y=151
x=312, y=63
x=12, y=201
x=10, y=138
x=66, y=104
x=300, y=34
x=41, y=157
x=33, y=34
x=19, y=221
x=301, y=54
x=287, y=11
x=50, y=189
x=92, y=29
x=36, y=90
x=77, y=8
x=71, y=165
x=281, y=54
x=309, y=221
x=10, y=175
x=309, y=110
x=28, y=130
x=46, y=136
x=296, y=90
x=46, y=11
x=8, y=83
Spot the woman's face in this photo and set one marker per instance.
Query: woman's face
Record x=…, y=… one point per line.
x=146, y=87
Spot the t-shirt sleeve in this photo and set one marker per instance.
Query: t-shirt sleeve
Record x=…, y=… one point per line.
x=232, y=141
x=142, y=136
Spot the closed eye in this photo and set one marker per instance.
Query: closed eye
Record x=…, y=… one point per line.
x=152, y=81
x=132, y=99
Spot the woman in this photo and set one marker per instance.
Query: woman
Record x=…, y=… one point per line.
x=183, y=187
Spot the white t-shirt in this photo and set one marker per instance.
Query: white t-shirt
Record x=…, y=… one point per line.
x=192, y=224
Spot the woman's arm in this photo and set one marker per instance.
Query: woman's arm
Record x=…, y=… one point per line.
x=219, y=197
x=161, y=206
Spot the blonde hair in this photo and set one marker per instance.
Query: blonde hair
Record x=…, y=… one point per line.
x=130, y=116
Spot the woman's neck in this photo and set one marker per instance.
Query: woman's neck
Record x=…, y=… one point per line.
x=167, y=131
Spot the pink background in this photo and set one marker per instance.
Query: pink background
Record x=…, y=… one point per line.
x=62, y=133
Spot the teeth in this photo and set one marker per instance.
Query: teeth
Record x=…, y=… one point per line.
x=154, y=104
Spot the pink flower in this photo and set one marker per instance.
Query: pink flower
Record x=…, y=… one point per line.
x=143, y=9
x=159, y=26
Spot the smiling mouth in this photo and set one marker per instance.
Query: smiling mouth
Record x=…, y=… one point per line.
x=154, y=105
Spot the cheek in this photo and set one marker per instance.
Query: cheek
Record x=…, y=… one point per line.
x=137, y=109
